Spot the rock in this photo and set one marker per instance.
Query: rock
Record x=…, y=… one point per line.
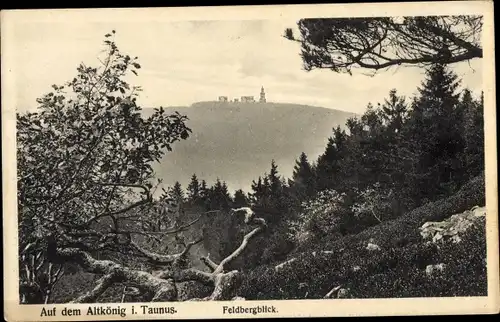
x=432, y=269
x=356, y=268
x=343, y=293
x=372, y=247
x=479, y=211
x=437, y=237
x=452, y=227
x=238, y=298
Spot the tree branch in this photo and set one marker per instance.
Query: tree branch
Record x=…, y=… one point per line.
x=162, y=285
x=163, y=259
x=225, y=283
x=102, y=285
x=340, y=44
x=162, y=290
x=209, y=263
x=170, y=230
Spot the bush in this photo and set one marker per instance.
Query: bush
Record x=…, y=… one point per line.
x=320, y=217
x=398, y=269
x=395, y=272
x=373, y=202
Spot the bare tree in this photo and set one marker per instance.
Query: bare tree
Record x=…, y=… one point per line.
x=341, y=44
x=161, y=286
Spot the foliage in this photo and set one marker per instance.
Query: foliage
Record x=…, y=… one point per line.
x=194, y=189
x=320, y=216
x=84, y=159
x=240, y=199
x=303, y=183
x=373, y=202
x=218, y=196
x=343, y=44
x=391, y=169
x=398, y=269
x=420, y=151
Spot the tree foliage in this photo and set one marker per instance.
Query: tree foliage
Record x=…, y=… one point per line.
x=343, y=44
x=85, y=189
x=397, y=156
x=85, y=157
x=86, y=183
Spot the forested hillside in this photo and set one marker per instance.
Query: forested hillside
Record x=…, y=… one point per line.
x=229, y=136
x=400, y=155
x=95, y=226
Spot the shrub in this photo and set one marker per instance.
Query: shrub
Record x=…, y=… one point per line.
x=319, y=217
x=373, y=202
x=398, y=269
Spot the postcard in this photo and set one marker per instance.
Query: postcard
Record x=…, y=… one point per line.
x=249, y=161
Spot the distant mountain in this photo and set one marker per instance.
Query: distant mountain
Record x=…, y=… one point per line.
x=237, y=141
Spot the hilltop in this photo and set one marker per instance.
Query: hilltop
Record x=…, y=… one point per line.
x=236, y=141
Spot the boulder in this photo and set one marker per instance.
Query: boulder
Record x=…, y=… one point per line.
x=430, y=270
x=453, y=227
x=372, y=247
x=343, y=293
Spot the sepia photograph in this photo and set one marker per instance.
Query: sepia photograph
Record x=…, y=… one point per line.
x=248, y=158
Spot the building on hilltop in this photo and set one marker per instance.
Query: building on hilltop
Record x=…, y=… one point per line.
x=247, y=99
x=262, y=95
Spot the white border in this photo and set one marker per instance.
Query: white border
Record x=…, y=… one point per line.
x=286, y=308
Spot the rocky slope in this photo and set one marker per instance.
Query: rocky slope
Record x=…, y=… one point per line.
x=435, y=250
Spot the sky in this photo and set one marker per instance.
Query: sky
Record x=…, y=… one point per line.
x=188, y=61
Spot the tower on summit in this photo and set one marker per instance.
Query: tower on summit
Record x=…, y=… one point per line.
x=262, y=95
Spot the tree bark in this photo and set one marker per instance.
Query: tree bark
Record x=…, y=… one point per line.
x=162, y=286
x=162, y=290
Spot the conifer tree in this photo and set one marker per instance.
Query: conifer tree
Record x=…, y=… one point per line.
x=473, y=129
x=274, y=181
x=240, y=199
x=177, y=192
x=433, y=132
x=193, y=189
x=203, y=189
x=303, y=178
x=219, y=197
x=351, y=164
x=266, y=191
x=394, y=112
x=258, y=192
x=329, y=163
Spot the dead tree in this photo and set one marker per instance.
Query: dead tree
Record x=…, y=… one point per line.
x=162, y=285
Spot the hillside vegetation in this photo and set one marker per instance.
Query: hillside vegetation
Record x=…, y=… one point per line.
x=391, y=259
x=393, y=205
